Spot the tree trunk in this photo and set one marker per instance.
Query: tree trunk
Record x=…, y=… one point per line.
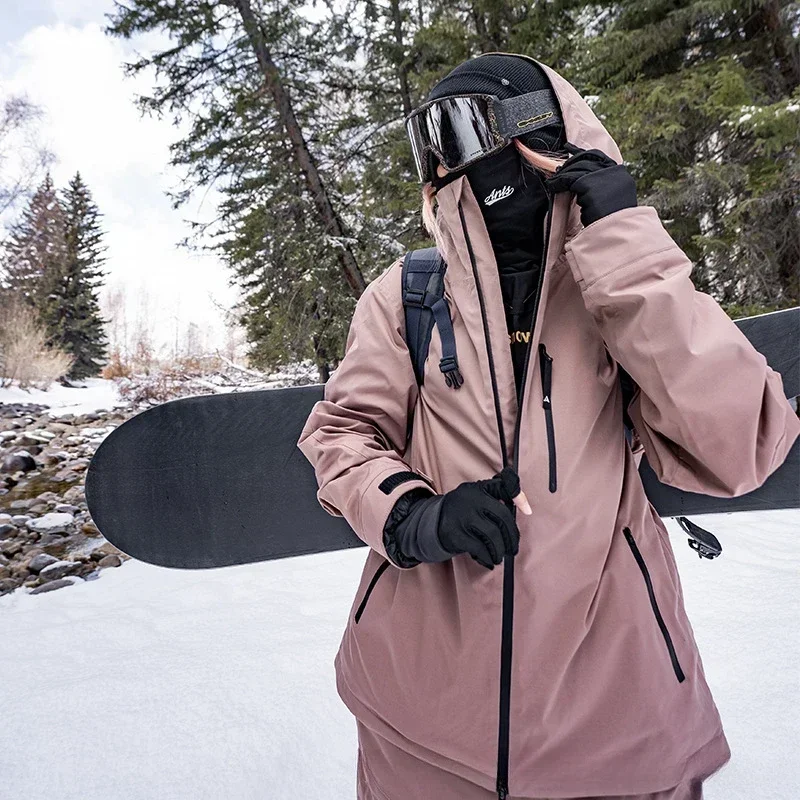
x=402, y=64
x=330, y=221
x=767, y=20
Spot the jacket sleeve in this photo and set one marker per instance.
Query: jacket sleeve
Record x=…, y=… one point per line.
x=711, y=414
x=356, y=436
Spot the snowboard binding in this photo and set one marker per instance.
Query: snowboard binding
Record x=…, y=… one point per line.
x=703, y=542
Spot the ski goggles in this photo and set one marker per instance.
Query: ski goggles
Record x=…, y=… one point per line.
x=463, y=128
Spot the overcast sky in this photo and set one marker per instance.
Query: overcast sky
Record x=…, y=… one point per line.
x=56, y=53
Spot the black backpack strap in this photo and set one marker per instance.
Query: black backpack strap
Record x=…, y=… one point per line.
x=628, y=390
x=425, y=304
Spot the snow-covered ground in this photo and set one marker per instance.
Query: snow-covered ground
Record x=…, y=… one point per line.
x=150, y=683
x=94, y=394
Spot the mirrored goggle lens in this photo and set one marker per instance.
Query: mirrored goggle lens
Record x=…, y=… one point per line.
x=457, y=129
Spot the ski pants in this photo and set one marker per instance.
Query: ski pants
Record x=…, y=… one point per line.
x=386, y=772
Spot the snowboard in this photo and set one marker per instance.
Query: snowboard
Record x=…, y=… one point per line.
x=217, y=480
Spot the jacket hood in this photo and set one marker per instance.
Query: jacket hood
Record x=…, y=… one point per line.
x=582, y=128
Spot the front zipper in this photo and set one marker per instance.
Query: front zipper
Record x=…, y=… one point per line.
x=661, y=624
x=508, y=560
x=378, y=572
x=546, y=369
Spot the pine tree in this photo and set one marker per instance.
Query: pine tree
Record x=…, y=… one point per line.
x=703, y=100
x=83, y=332
x=52, y=262
x=35, y=257
x=251, y=81
x=298, y=124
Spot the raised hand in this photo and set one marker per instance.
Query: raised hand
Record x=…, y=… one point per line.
x=601, y=185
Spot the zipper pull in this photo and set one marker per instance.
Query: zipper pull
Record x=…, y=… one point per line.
x=546, y=362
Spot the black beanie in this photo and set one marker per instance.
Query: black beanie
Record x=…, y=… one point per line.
x=503, y=75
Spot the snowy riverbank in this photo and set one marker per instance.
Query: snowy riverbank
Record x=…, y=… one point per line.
x=154, y=683
x=94, y=394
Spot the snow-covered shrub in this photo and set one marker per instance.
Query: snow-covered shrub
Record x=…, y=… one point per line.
x=24, y=355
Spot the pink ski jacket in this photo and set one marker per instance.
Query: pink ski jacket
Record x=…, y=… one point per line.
x=571, y=669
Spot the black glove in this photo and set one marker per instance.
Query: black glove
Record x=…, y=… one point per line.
x=601, y=186
x=474, y=518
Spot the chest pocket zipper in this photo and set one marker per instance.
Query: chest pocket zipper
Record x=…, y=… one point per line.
x=546, y=370
x=378, y=572
x=659, y=619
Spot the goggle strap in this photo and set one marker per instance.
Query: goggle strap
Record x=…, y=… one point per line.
x=526, y=112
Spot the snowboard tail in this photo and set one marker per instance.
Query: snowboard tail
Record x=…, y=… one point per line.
x=217, y=480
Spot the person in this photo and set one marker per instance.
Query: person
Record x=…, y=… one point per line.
x=572, y=671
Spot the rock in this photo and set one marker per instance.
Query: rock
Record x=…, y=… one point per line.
x=53, y=522
x=74, y=494
x=106, y=549
x=19, y=571
x=58, y=427
x=31, y=439
x=7, y=585
x=8, y=531
x=7, y=436
x=110, y=561
x=21, y=461
x=90, y=529
x=52, y=543
x=5, y=572
x=39, y=562
x=10, y=547
x=42, y=433
x=58, y=569
x=66, y=508
x=60, y=583
x=22, y=504
x=63, y=546
x=39, y=508
x=67, y=476
x=20, y=519
x=5, y=518
x=48, y=497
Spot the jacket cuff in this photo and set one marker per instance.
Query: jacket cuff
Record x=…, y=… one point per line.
x=378, y=500
x=410, y=535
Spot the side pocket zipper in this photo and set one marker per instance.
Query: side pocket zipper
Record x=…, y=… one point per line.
x=378, y=572
x=546, y=364
x=661, y=624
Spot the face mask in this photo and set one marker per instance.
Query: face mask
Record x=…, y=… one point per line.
x=514, y=204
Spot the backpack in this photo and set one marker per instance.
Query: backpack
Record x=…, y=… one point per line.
x=424, y=304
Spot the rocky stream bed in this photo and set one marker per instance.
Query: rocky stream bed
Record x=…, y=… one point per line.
x=47, y=538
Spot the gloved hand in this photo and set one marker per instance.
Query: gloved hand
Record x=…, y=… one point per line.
x=474, y=518
x=601, y=186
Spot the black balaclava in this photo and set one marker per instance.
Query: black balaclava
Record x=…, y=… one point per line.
x=510, y=194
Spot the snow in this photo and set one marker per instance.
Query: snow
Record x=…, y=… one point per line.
x=95, y=394
x=189, y=685
x=51, y=522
